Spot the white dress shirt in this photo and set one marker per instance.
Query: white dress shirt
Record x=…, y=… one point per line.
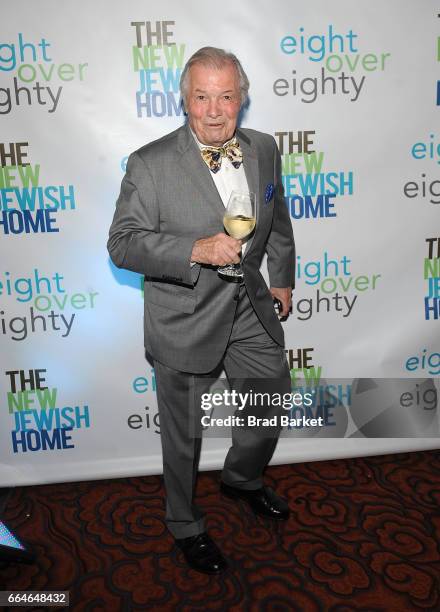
x=227, y=180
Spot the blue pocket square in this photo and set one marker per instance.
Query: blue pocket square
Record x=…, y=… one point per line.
x=268, y=195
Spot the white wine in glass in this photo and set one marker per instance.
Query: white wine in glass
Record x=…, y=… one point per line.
x=239, y=222
x=239, y=226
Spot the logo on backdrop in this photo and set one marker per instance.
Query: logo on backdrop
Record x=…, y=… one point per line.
x=431, y=274
x=343, y=68
x=26, y=207
x=35, y=75
x=424, y=364
x=337, y=289
x=145, y=419
x=309, y=192
x=40, y=422
x=423, y=187
x=330, y=400
x=48, y=305
x=158, y=60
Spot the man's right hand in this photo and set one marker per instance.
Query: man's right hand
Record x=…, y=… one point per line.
x=218, y=250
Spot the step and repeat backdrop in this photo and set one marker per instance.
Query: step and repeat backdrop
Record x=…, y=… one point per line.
x=351, y=93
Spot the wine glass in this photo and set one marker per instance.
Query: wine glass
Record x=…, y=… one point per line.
x=239, y=222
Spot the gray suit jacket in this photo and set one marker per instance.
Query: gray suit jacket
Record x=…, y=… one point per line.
x=168, y=200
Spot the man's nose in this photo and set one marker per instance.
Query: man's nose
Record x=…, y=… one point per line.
x=213, y=108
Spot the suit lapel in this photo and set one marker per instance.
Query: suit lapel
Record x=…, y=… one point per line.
x=193, y=164
x=195, y=167
x=251, y=170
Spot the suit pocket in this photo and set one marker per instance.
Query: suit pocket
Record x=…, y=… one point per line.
x=180, y=299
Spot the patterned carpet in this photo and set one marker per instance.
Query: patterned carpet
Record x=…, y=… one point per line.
x=363, y=535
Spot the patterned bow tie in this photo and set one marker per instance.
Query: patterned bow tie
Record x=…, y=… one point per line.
x=212, y=156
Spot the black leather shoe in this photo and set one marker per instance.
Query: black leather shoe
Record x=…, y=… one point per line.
x=202, y=554
x=264, y=501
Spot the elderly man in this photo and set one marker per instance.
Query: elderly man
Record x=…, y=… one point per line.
x=168, y=225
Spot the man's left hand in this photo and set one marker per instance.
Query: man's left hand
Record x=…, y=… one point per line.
x=284, y=295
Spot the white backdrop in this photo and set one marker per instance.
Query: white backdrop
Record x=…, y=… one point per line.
x=359, y=79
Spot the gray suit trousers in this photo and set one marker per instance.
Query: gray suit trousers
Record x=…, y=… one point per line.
x=251, y=353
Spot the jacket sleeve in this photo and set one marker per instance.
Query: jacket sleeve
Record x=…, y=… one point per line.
x=280, y=247
x=135, y=240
